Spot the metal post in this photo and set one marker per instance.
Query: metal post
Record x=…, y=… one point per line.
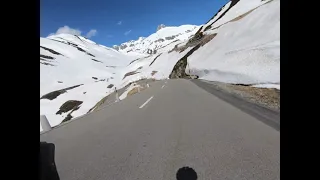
x=117, y=95
x=45, y=123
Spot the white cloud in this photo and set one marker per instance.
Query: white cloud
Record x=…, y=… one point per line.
x=68, y=30
x=127, y=32
x=91, y=33
x=119, y=23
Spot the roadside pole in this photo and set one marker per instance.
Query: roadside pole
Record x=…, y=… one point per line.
x=117, y=95
x=45, y=123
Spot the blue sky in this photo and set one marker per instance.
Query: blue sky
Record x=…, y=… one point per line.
x=114, y=22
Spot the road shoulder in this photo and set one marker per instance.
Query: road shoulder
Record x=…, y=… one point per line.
x=266, y=115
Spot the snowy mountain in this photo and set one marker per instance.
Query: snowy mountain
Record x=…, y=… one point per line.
x=245, y=48
x=157, y=41
x=240, y=44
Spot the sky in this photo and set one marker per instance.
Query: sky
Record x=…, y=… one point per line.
x=112, y=22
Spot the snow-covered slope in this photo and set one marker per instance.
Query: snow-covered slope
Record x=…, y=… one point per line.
x=69, y=60
x=157, y=41
x=246, y=48
x=240, y=44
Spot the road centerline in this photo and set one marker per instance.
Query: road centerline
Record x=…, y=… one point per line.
x=146, y=102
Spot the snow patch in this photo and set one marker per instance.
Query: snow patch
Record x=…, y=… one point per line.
x=276, y=86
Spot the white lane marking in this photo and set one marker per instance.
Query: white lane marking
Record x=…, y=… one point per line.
x=162, y=86
x=146, y=102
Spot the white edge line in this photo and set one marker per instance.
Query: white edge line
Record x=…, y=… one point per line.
x=146, y=102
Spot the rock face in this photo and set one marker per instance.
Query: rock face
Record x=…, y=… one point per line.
x=179, y=70
x=69, y=105
x=171, y=37
x=55, y=94
x=160, y=27
x=116, y=47
x=123, y=46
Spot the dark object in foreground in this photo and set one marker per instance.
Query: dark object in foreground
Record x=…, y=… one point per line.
x=186, y=173
x=47, y=166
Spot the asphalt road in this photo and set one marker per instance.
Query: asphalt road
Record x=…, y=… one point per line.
x=180, y=125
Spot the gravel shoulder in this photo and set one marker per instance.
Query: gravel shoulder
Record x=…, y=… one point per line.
x=262, y=103
x=266, y=97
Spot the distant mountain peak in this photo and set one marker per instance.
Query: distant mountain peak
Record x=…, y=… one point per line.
x=157, y=40
x=161, y=26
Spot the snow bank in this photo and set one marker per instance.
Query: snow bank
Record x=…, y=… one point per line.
x=246, y=51
x=277, y=86
x=240, y=8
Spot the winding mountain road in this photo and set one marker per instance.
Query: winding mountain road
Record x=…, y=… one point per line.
x=172, y=124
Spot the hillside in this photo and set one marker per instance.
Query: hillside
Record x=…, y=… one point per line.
x=239, y=45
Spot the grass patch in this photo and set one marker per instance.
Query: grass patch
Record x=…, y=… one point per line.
x=55, y=94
